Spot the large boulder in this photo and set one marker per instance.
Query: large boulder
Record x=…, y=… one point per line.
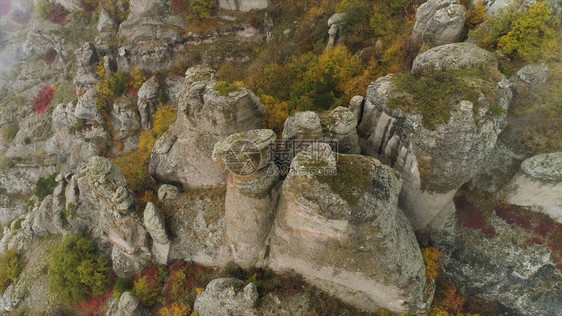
x=439, y=22
x=338, y=224
x=183, y=154
x=154, y=224
x=454, y=56
x=435, y=160
x=87, y=59
x=148, y=102
x=539, y=185
x=226, y=297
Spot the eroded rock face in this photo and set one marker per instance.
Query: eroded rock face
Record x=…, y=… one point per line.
x=154, y=224
x=87, y=59
x=434, y=163
x=225, y=297
x=244, y=5
x=249, y=197
x=148, y=102
x=494, y=7
x=439, y=22
x=521, y=277
x=183, y=154
x=539, y=185
x=345, y=234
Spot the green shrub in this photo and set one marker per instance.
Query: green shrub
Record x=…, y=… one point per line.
x=9, y=132
x=44, y=9
x=17, y=224
x=201, y=8
x=531, y=34
x=138, y=77
x=10, y=268
x=122, y=285
x=5, y=162
x=45, y=186
x=75, y=272
x=225, y=88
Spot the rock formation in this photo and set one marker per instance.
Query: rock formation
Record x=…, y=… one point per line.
x=148, y=102
x=345, y=234
x=205, y=116
x=335, y=24
x=250, y=202
x=154, y=224
x=539, y=185
x=225, y=296
x=244, y=5
x=87, y=59
x=439, y=22
x=435, y=163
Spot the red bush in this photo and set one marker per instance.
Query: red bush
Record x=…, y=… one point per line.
x=50, y=56
x=179, y=5
x=95, y=305
x=20, y=17
x=58, y=14
x=43, y=99
x=5, y=7
x=87, y=5
x=472, y=217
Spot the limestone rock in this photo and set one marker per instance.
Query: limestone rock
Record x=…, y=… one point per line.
x=340, y=124
x=335, y=24
x=167, y=193
x=338, y=224
x=11, y=297
x=205, y=117
x=356, y=106
x=227, y=297
x=125, y=119
x=106, y=22
x=128, y=264
x=439, y=22
x=87, y=59
x=539, y=184
x=128, y=303
x=519, y=276
x=529, y=77
x=303, y=125
x=148, y=102
x=86, y=107
x=252, y=175
x=154, y=225
x=494, y=7
x=244, y=5
x=454, y=56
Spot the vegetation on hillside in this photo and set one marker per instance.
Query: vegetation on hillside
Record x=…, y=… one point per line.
x=10, y=268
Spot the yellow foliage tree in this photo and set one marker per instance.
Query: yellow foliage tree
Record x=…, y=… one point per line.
x=476, y=15
x=175, y=309
x=431, y=257
x=138, y=77
x=276, y=112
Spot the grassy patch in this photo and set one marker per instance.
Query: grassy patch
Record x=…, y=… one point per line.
x=65, y=92
x=351, y=180
x=433, y=95
x=9, y=132
x=225, y=88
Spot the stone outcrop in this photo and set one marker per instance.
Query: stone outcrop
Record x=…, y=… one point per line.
x=519, y=276
x=148, y=102
x=225, y=297
x=126, y=305
x=339, y=124
x=244, y=5
x=86, y=59
x=183, y=154
x=439, y=22
x=338, y=224
x=154, y=224
x=494, y=7
x=435, y=163
x=538, y=184
x=249, y=197
x=106, y=22
x=454, y=56
x=528, y=77
x=167, y=193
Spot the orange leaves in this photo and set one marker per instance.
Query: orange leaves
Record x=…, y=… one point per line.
x=431, y=257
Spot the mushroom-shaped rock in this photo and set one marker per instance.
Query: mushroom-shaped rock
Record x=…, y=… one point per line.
x=338, y=224
x=435, y=160
x=226, y=297
x=439, y=22
x=207, y=114
x=538, y=184
x=454, y=56
x=340, y=125
x=249, y=203
x=303, y=125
